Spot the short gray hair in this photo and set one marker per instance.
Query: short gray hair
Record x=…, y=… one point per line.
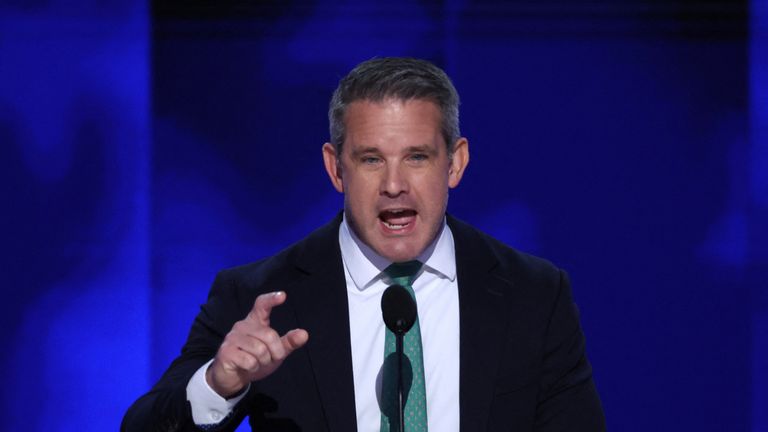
x=399, y=78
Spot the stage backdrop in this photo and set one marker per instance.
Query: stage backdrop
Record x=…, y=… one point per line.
x=147, y=146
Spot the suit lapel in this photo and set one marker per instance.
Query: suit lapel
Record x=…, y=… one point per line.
x=482, y=324
x=320, y=301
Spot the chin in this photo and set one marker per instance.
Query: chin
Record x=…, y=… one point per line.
x=400, y=253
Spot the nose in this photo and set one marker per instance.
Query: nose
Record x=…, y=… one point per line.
x=394, y=181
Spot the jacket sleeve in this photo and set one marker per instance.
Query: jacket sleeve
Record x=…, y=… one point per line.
x=568, y=399
x=165, y=407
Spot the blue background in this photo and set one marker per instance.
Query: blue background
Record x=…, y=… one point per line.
x=144, y=147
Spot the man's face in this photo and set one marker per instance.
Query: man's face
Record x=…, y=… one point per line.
x=395, y=172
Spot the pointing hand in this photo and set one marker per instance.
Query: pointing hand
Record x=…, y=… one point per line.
x=252, y=350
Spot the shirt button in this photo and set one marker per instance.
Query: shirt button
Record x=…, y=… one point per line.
x=216, y=416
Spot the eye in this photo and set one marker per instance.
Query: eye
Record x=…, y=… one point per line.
x=418, y=157
x=370, y=160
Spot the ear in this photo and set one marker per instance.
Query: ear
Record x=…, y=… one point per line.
x=458, y=162
x=333, y=166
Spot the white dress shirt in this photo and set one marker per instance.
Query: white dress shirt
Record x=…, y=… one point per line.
x=437, y=301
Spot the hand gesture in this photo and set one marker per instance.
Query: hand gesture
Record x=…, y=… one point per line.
x=252, y=350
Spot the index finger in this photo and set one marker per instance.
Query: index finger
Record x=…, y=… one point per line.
x=263, y=305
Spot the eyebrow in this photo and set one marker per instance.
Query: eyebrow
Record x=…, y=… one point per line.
x=410, y=149
x=364, y=150
x=421, y=149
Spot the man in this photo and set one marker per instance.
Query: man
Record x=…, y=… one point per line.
x=297, y=341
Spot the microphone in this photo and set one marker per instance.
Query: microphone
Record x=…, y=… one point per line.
x=399, y=311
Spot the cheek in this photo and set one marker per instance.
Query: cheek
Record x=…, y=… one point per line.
x=359, y=198
x=435, y=195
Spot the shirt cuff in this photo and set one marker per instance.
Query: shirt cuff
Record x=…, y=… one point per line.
x=208, y=407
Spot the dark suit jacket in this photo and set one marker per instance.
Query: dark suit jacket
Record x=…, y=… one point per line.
x=523, y=365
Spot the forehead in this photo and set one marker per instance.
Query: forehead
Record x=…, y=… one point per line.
x=392, y=118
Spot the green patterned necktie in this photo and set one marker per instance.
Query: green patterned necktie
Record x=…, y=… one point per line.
x=414, y=389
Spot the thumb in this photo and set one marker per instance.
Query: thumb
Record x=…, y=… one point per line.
x=294, y=340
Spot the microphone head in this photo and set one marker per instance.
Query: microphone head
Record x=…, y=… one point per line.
x=398, y=309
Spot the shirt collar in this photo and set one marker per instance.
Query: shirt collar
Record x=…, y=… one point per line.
x=365, y=266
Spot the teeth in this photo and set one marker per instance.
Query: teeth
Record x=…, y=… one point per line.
x=393, y=226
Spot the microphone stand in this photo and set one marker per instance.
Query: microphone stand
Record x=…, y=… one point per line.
x=398, y=309
x=400, y=403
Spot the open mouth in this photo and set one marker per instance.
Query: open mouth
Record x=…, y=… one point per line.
x=397, y=219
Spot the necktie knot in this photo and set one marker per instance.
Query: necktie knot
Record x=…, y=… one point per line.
x=403, y=272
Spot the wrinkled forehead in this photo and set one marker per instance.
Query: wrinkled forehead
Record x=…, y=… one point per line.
x=393, y=125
